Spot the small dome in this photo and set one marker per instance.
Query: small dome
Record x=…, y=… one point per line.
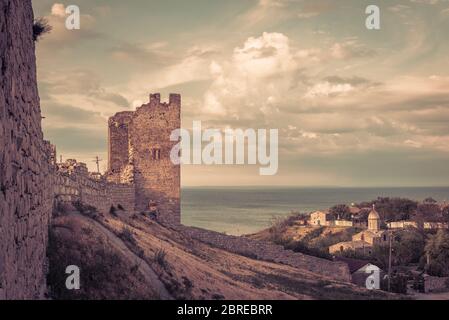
x=374, y=215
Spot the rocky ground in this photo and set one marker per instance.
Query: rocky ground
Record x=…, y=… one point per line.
x=130, y=256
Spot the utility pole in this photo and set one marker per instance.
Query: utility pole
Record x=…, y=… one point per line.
x=97, y=161
x=389, y=262
x=60, y=157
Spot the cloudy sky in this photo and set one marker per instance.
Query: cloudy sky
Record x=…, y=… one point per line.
x=353, y=107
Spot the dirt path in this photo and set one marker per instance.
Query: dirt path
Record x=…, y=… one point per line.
x=148, y=273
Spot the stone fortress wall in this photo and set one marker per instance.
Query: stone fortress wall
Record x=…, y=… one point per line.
x=140, y=171
x=72, y=182
x=266, y=251
x=25, y=172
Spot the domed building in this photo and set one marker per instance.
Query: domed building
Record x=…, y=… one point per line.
x=374, y=220
x=364, y=241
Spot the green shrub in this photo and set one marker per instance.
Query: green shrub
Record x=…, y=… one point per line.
x=437, y=251
x=280, y=225
x=113, y=210
x=104, y=272
x=418, y=283
x=40, y=27
x=127, y=235
x=302, y=247
x=398, y=283
x=160, y=258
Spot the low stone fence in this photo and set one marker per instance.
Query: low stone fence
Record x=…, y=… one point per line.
x=341, y=223
x=269, y=252
x=435, y=283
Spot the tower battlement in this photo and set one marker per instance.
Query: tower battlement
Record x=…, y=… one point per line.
x=173, y=100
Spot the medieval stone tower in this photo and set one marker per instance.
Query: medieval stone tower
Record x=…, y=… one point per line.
x=139, y=153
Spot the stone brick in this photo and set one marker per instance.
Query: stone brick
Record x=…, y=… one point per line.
x=25, y=172
x=71, y=184
x=139, y=152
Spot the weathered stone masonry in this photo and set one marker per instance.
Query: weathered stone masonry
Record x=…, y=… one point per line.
x=139, y=151
x=25, y=193
x=78, y=185
x=140, y=171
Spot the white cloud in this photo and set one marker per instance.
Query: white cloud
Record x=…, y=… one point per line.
x=191, y=68
x=328, y=89
x=307, y=15
x=60, y=36
x=413, y=144
x=398, y=8
x=264, y=56
x=58, y=10
x=350, y=48
x=309, y=135
x=253, y=79
x=427, y=1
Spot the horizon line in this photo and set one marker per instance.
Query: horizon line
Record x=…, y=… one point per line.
x=311, y=186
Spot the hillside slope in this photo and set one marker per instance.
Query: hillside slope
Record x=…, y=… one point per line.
x=311, y=240
x=123, y=256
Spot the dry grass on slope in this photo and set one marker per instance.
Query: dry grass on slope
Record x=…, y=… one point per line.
x=105, y=272
x=172, y=266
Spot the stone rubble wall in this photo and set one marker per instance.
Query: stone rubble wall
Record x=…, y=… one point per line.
x=97, y=193
x=269, y=252
x=25, y=171
x=65, y=189
x=435, y=283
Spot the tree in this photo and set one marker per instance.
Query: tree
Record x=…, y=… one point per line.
x=430, y=200
x=445, y=214
x=437, y=252
x=408, y=246
x=341, y=211
x=380, y=255
x=392, y=209
x=428, y=211
x=398, y=283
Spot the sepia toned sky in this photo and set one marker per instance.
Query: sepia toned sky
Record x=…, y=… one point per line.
x=354, y=107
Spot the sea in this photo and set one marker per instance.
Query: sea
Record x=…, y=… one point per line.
x=246, y=210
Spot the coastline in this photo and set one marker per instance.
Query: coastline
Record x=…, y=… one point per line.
x=246, y=210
